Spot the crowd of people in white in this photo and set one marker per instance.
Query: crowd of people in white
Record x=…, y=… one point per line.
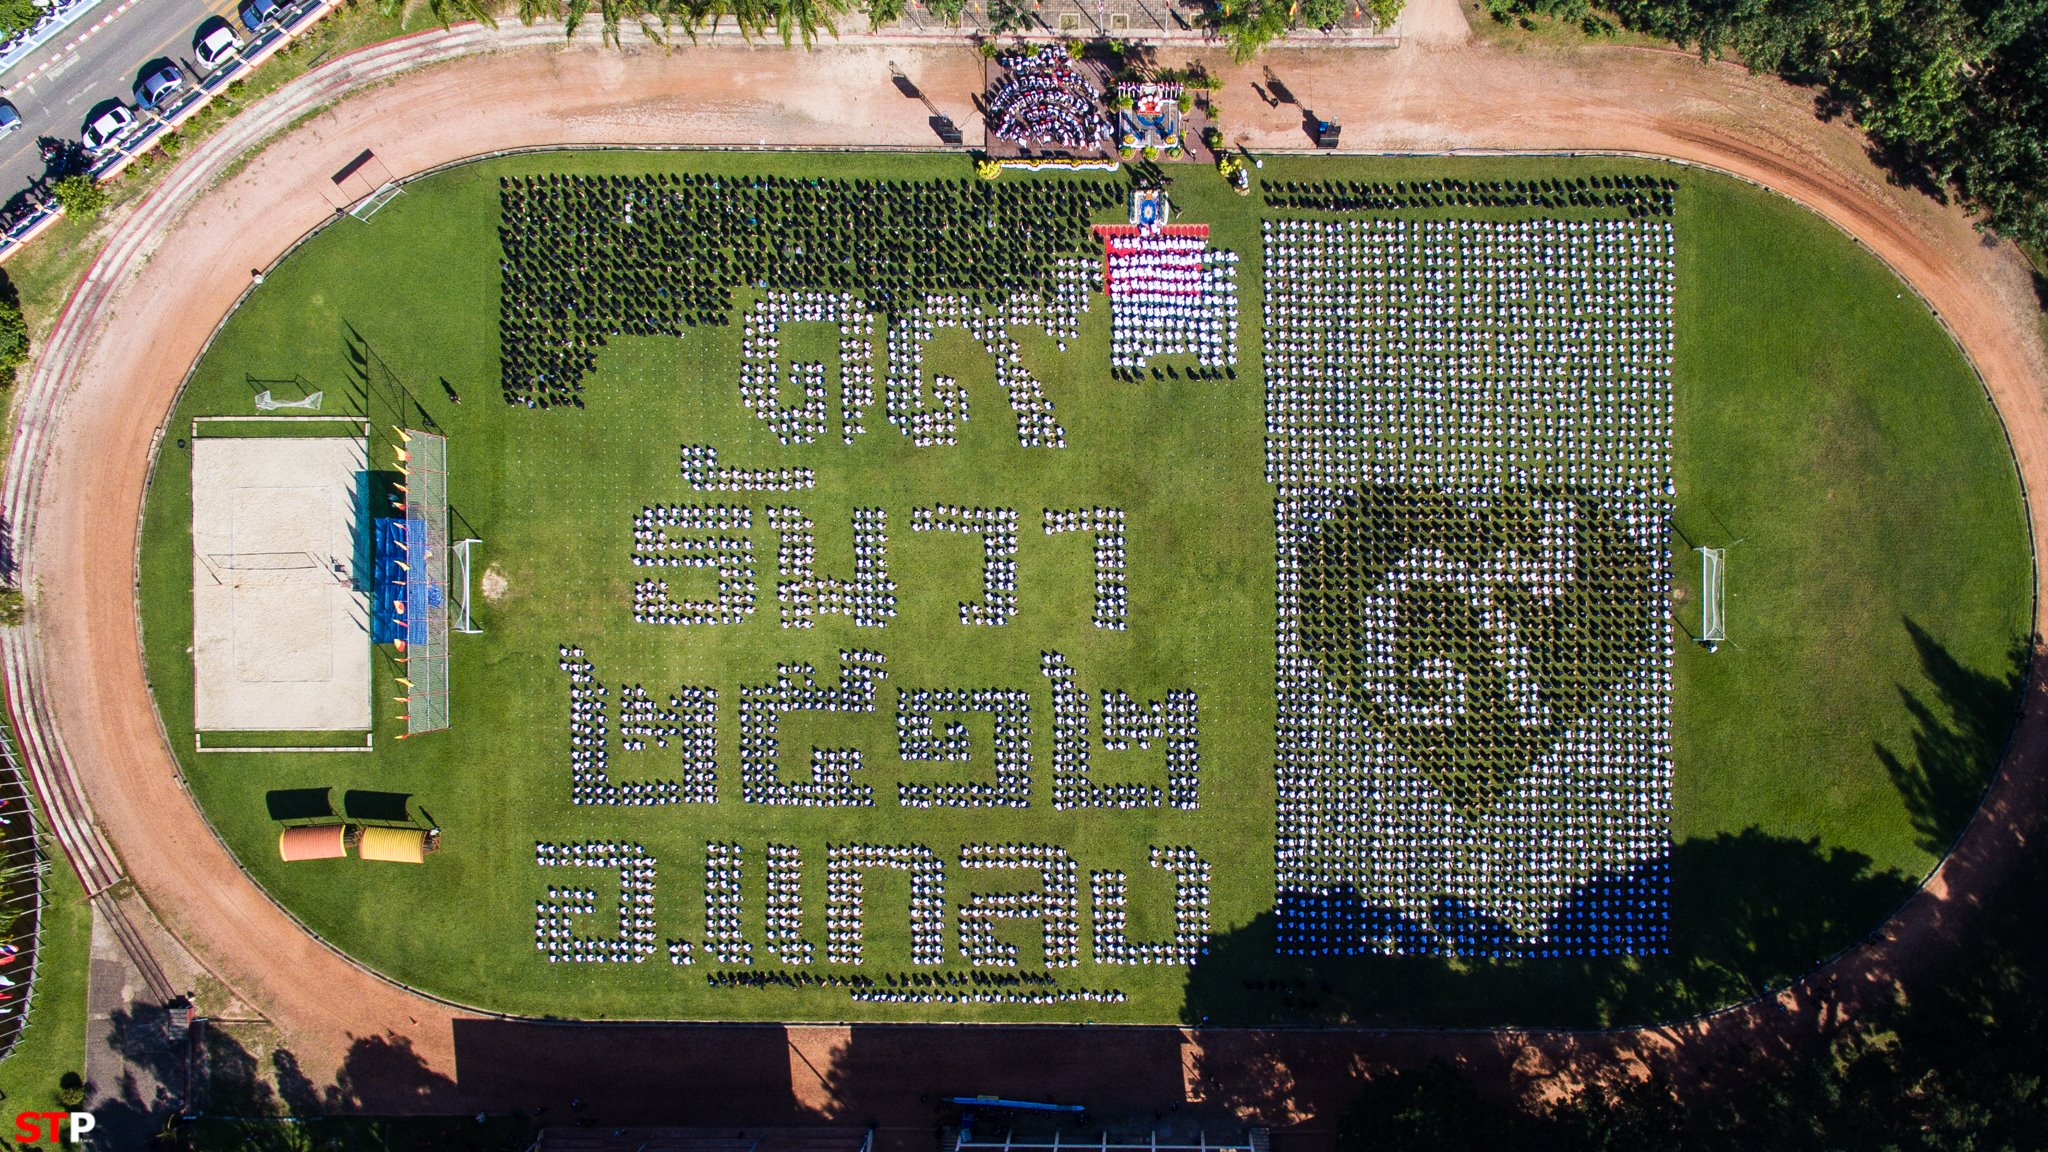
x=1124, y=722
x=1055, y=904
x=933, y=416
x=802, y=420
x=997, y=528
x=690, y=722
x=702, y=472
x=554, y=917
x=660, y=541
x=1170, y=295
x=1112, y=599
x=846, y=868
x=796, y=689
x=1477, y=358
x=921, y=739
x=1109, y=893
x=869, y=597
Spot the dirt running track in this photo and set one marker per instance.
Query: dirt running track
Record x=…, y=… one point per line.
x=177, y=263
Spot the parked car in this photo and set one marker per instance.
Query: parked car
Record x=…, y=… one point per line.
x=215, y=45
x=257, y=13
x=9, y=118
x=108, y=127
x=159, y=85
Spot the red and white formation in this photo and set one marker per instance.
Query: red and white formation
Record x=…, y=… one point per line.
x=1170, y=293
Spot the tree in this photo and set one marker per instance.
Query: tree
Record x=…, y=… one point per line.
x=884, y=12
x=1320, y=13
x=1008, y=16
x=12, y=611
x=806, y=17
x=18, y=16
x=447, y=11
x=1250, y=25
x=80, y=195
x=13, y=332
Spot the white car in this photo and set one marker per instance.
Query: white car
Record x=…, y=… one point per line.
x=216, y=46
x=108, y=127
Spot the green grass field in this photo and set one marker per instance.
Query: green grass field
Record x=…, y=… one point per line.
x=1823, y=759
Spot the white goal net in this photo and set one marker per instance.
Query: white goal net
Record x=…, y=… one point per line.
x=1713, y=624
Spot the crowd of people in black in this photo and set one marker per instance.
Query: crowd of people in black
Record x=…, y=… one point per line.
x=588, y=258
x=1640, y=196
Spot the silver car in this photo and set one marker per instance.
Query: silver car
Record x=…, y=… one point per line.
x=108, y=127
x=159, y=86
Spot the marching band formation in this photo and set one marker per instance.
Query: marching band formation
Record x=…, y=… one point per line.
x=1042, y=99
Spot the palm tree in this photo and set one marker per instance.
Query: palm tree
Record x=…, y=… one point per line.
x=806, y=17
x=448, y=11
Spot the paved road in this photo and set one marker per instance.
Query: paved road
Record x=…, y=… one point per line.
x=55, y=99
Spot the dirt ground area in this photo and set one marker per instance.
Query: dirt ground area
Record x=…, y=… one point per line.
x=178, y=262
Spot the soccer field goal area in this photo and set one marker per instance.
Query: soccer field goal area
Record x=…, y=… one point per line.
x=1713, y=606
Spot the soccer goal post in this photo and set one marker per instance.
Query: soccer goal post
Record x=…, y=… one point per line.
x=1713, y=621
x=265, y=402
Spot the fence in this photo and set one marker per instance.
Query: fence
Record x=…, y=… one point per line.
x=21, y=842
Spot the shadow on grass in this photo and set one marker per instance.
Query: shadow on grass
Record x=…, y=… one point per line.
x=286, y=804
x=377, y=807
x=1749, y=910
x=1960, y=729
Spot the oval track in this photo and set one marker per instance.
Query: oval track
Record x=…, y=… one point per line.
x=174, y=266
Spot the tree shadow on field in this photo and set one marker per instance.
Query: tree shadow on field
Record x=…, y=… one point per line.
x=1960, y=729
x=1749, y=911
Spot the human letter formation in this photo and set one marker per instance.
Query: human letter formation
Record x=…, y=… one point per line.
x=1492, y=369
x=690, y=723
x=587, y=258
x=1127, y=723
x=1052, y=898
x=716, y=537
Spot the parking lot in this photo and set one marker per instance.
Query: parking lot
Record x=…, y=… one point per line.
x=56, y=87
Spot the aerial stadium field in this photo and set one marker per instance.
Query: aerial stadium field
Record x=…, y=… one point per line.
x=1005, y=678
